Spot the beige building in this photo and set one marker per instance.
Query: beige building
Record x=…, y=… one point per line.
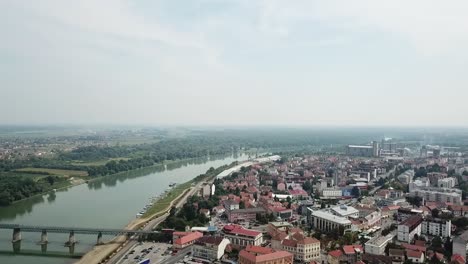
x=303, y=248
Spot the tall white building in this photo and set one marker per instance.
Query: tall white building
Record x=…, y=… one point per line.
x=410, y=227
x=443, y=195
x=447, y=182
x=436, y=227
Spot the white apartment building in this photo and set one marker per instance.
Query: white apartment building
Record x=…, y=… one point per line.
x=377, y=244
x=408, y=228
x=443, y=195
x=437, y=227
x=209, y=248
x=447, y=182
x=327, y=221
x=331, y=193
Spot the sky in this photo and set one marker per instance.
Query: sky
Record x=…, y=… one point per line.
x=234, y=62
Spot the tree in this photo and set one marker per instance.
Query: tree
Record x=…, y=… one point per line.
x=237, y=191
x=355, y=191
x=241, y=205
x=50, y=179
x=307, y=186
x=465, y=173
x=290, y=187
x=414, y=200
x=435, y=213
x=437, y=243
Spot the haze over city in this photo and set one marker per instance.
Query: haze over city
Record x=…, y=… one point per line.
x=365, y=63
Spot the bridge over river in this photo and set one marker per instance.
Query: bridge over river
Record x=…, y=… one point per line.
x=44, y=230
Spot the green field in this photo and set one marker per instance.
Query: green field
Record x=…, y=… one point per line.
x=162, y=204
x=95, y=163
x=57, y=172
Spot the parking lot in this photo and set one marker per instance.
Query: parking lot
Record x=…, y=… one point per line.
x=156, y=252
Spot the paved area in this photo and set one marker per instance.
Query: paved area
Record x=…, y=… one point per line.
x=130, y=244
x=156, y=252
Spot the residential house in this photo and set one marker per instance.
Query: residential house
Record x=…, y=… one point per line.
x=415, y=256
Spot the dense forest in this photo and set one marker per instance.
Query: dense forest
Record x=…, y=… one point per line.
x=14, y=188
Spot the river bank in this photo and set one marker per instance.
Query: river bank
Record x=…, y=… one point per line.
x=100, y=253
x=108, y=202
x=75, y=181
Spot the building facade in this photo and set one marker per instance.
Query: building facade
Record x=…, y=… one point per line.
x=241, y=237
x=209, y=247
x=377, y=244
x=261, y=255
x=327, y=221
x=436, y=227
x=409, y=228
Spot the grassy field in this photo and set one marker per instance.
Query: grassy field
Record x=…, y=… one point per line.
x=163, y=203
x=57, y=172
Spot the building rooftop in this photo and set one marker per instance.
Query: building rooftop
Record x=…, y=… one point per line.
x=335, y=253
x=352, y=249
x=331, y=217
x=255, y=257
x=188, y=238
x=239, y=230
x=344, y=210
x=211, y=240
x=380, y=240
x=412, y=221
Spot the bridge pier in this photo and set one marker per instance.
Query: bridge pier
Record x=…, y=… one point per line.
x=16, y=235
x=44, y=248
x=71, y=249
x=71, y=239
x=44, y=239
x=99, y=239
x=16, y=246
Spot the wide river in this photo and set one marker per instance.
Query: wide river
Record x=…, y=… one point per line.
x=109, y=202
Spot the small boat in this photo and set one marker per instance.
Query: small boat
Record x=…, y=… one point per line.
x=172, y=184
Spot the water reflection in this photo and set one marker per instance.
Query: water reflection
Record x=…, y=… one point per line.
x=51, y=197
x=20, y=208
x=112, y=180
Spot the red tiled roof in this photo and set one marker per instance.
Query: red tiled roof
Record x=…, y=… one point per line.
x=335, y=253
x=265, y=257
x=188, y=238
x=420, y=243
x=289, y=243
x=413, y=247
x=413, y=253
x=258, y=249
x=238, y=230
x=308, y=240
x=351, y=249
x=458, y=258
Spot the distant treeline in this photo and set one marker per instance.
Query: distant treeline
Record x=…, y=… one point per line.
x=197, y=144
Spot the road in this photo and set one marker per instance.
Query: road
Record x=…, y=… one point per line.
x=180, y=255
x=150, y=226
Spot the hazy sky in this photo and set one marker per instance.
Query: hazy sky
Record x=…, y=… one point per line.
x=227, y=62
